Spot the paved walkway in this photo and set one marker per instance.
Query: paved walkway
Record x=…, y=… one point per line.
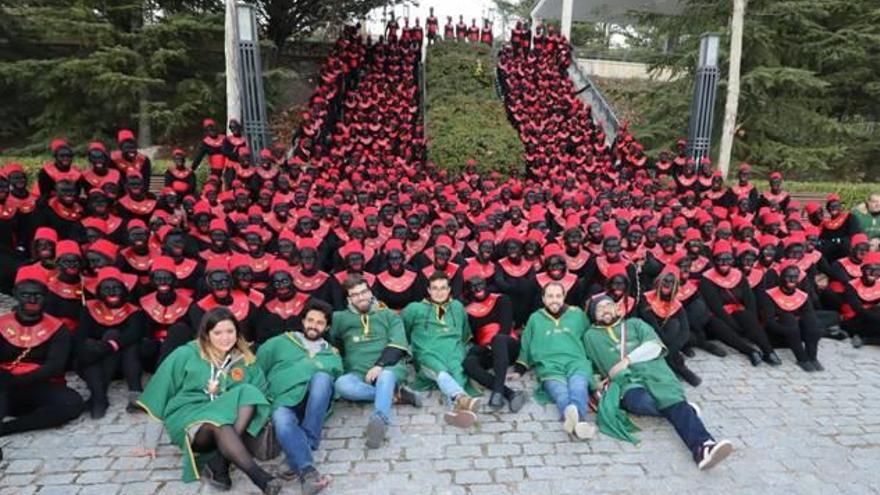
x=794, y=434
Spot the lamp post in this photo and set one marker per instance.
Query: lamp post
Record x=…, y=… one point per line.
x=250, y=77
x=703, y=103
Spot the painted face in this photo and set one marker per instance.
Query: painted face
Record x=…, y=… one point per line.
x=304, y=225
x=138, y=237
x=553, y=299
x=834, y=208
x=395, y=259
x=135, y=185
x=219, y=282
x=723, y=263
x=129, y=150
x=173, y=245
x=97, y=261
x=556, y=267
x=355, y=262
x=617, y=287
x=64, y=158
x=477, y=288
x=314, y=324
x=223, y=336
x=66, y=192
x=747, y=260
x=573, y=239
x=442, y=254
x=870, y=273
x=218, y=239
x=790, y=277
x=44, y=249
x=485, y=251
x=667, y=284
x=514, y=250
x=308, y=259
x=611, y=247
x=796, y=251
x=163, y=281
x=70, y=264
x=286, y=248
x=282, y=282
x=112, y=293
x=31, y=297
x=254, y=243
x=695, y=247
x=18, y=181
x=858, y=252
x=244, y=277
x=360, y=297
x=768, y=254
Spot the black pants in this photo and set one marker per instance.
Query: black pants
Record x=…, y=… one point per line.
x=801, y=335
x=684, y=419
x=865, y=328
x=100, y=373
x=747, y=329
x=501, y=352
x=38, y=406
x=704, y=326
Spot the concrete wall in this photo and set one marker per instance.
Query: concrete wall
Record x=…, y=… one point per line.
x=616, y=69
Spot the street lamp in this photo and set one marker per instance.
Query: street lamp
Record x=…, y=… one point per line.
x=703, y=103
x=253, y=99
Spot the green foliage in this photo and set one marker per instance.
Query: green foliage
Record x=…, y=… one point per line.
x=465, y=117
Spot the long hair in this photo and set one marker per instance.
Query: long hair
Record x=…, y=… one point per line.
x=210, y=320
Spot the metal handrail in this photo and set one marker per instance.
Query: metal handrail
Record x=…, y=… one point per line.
x=601, y=110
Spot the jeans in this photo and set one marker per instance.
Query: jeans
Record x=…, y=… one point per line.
x=565, y=393
x=352, y=386
x=298, y=428
x=683, y=417
x=450, y=388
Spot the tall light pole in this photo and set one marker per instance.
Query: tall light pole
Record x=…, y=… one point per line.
x=703, y=104
x=253, y=98
x=731, y=106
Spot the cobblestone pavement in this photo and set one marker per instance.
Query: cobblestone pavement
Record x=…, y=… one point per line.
x=794, y=433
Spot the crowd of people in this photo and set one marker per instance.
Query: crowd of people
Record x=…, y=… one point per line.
x=288, y=278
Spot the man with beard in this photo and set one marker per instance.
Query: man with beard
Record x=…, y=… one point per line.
x=34, y=348
x=373, y=343
x=630, y=355
x=438, y=332
x=490, y=317
x=300, y=368
x=109, y=336
x=552, y=344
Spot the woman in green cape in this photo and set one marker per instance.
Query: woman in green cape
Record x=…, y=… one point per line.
x=208, y=394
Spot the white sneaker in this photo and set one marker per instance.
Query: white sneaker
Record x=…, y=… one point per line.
x=571, y=418
x=711, y=453
x=584, y=430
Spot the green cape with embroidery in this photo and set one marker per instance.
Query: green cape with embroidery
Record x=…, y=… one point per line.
x=362, y=337
x=289, y=367
x=438, y=344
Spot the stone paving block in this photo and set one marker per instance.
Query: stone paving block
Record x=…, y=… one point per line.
x=104, y=489
x=93, y=477
x=472, y=477
x=58, y=490
x=57, y=478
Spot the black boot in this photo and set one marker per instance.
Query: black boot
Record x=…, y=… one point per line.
x=755, y=358
x=217, y=472
x=714, y=349
x=772, y=358
x=496, y=401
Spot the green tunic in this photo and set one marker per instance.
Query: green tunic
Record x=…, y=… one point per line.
x=176, y=396
x=437, y=344
x=603, y=347
x=289, y=367
x=554, y=347
x=362, y=337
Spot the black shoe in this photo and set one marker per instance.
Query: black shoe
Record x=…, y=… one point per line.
x=772, y=359
x=711, y=453
x=688, y=351
x=817, y=365
x=835, y=333
x=496, y=401
x=806, y=366
x=217, y=473
x=406, y=395
x=98, y=408
x=714, y=349
x=755, y=358
x=857, y=341
x=688, y=376
x=516, y=401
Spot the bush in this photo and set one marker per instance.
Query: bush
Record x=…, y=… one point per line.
x=465, y=117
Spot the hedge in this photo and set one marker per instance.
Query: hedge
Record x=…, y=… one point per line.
x=465, y=116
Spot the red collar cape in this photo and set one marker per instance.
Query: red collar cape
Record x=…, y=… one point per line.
x=245, y=173
x=288, y=309
x=705, y=181
x=741, y=191
x=166, y=315
x=713, y=195
x=567, y=281
x=756, y=275
x=578, y=261
x=341, y=276
x=515, y=271
x=124, y=165
x=853, y=269
x=179, y=174
x=413, y=247
x=485, y=270
x=52, y=171
x=869, y=295
x=687, y=290
x=71, y=214
x=111, y=177
x=789, y=303
x=267, y=174
x=450, y=270
x=661, y=308
x=397, y=284
x=305, y=283
x=140, y=262
x=65, y=290
x=216, y=142
x=700, y=264
x=604, y=265
x=663, y=166
x=775, y=198
x=109, y=316
x=835, y=223
x=479, y=309
x=26, y=337
x=686, y=181
x=209, y=254
x=7, y=210
x=595, y=248
x=142, y=207
x=729, y=282
x=185, y=268
x=261, y=264
x=240, y=306
x=23, y=205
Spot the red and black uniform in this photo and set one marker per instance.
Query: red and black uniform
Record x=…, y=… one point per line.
x=165, y=315
x=518, y=282
x=496, y=343
x=281, y=315
x=734, y=312
x=218, y=149
x=396, y=291
x=242, y=308
x=668, y=318
x=861, y=310
x=791, y=318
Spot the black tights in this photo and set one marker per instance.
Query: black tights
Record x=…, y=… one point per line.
x=801, y=335
x=227, y=440
x=37, y=406
x=499, y=354
x=100, y=373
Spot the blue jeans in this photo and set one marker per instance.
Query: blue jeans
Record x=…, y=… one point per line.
x=683, y=417
x=565, y=393
x=298, y=428
x=450, y=388
x=352, y=386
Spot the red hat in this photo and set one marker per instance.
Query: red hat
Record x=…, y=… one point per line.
x=812, y=208
x=832, y=197
x=218, y=264
x=742, y=247
x=857, y=239
x=786, y=263
x=164, y=263
x=111, y=272
x=617, y=269
x=443, y=240
x=238, y=260
x=96, y=223
x=104, y=247
x=609, y=229
x=178, y=152
x=207, y=122
x=671, y=268
x=135, y=223
x=745, y=167
x=97, y=146
x=218, y=224
x=393, y=245
x=67, y=246
x=872, y=258
x=776, y=175
x=721, y=246
x=46, y=234
x=307, y=243
x=665, y=232
x=794, y=238
x=351, y=247
x=57, y=144
x=553, y=249
x=33, y=273
x=692, y=234
x=471, y=271
x=124, y=135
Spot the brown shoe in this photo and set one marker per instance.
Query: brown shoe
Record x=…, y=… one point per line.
x=460, y=419
x=464, y=402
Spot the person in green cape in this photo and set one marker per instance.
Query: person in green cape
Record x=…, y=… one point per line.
x=552, y=345
x=630, y=355
x=300, y=368
x=373, y=344
x=439, y=332
x=208, y=393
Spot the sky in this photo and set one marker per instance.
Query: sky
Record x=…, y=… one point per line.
x=471, y=9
